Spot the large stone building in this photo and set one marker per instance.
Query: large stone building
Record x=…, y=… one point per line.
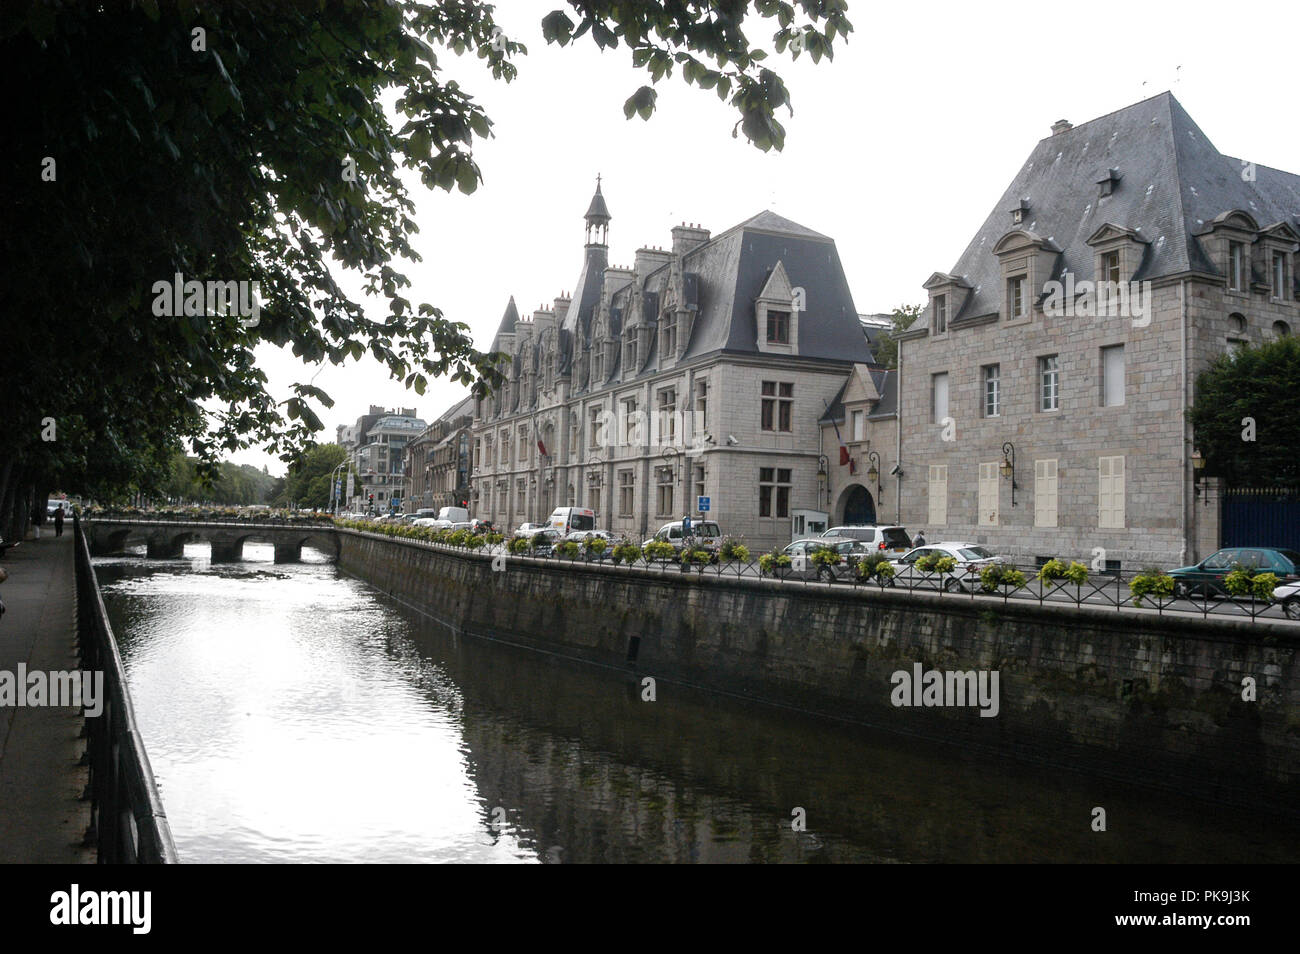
x=438, y=461
x=377, y=447
x=1043, y=393
x=700, y=371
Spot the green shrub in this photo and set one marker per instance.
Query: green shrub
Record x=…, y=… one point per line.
x=1152, y=581
x=659, y=550
x=825, y=556
x=494, y=538
x=625, y=551
x=875, y=566
x=1055, y=570
x=1000, y=574
x=569, y=548
x=734, y=549
x=939, y=563
x=1248, y=581
x=695, y=555
x=595, y=546
x=519, y=545
x=769, y=563
x=474, y=541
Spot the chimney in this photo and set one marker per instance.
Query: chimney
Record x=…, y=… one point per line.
x=1060, y=126
x=561, y=308
x=687, y=237
x=649, y=259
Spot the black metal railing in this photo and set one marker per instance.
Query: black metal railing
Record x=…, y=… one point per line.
x=127, y=822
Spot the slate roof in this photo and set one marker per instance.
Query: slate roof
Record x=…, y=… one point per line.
x=1173, y=183
x=886, y=383
x=508, y=322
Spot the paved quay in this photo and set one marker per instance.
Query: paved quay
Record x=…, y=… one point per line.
x=42, y=816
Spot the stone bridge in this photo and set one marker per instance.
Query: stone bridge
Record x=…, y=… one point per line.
x=167, y=538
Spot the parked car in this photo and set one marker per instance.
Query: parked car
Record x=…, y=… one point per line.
x=550, y=536
x=802, y=566
x=1288, y=595
x=528, y=529
x=1206, y=578
x=426, y=513
x=432, y=522
x=881, y=537
x=965, y=577
x=568, y=519
x=706, y=534
x=582, y=536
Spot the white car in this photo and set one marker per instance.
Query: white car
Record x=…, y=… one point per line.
x=971, y=559
x=886, y=538
x=1288, y=595
x=582, y=536
x=433, y=522
x=528, y=529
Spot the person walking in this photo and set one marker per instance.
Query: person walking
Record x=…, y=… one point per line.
x=919, y=539
x=58, y=521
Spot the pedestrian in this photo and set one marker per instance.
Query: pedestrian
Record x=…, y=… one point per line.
x=58, y=521
x=686, y=527
x=919, y=539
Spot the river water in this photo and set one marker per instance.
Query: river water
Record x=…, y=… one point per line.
x=294, y=714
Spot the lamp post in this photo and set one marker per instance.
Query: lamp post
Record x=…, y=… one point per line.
x=873, y=474
x=823, y=476
x=1198, y=469
x=1008, y=467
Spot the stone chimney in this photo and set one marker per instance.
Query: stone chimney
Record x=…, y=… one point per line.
x=561, y=306
x=687, y=237
x=542, y=318
x=1060, y=126
x=650, y=259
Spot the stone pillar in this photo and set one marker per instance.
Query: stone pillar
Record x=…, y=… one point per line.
x=166, y=548
x=288, y=552
x=225, y=551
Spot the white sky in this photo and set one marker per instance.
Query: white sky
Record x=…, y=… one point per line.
x=897, y=149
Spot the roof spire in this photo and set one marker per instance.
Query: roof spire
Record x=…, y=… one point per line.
x=597, y=218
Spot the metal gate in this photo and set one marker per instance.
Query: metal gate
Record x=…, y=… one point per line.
x=1262, y=517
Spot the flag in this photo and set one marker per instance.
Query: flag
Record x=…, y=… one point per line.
x=541, y=448
x=844, y=450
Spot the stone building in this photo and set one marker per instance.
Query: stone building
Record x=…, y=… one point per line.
x=379, y=456
x=438, y=461
x=697, y=372
x=1043, y=393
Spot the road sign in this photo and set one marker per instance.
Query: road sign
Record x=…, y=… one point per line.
x=703, y=504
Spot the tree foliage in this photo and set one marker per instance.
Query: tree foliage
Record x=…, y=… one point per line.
x=1246, y=415
x=234, y=485
x=308, y=480
x=247, y=141
x=901, y=318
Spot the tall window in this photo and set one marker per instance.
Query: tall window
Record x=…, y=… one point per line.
x=593, y=424
x=778, y=327
x=593, y=495
x=1110, y=493
x=521, y=489
x=701, y=406
x=1279, y=275
x=667, y=337
x=992, y=390
x=627, y=429
x=1236, y=266
x=1110, y=267
x=1112, y=376
x=938, y=497
x=778, y=406
x=857, y=431
x=938, y=397
x=940, y=314
x=625, y=489
x=1049, y=383
x=664, y=495
x=773, y=492
x=699, y=481
x=1017, y=303
x=1045, y=494
x=668, y=416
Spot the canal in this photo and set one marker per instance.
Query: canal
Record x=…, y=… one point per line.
x=294, y=714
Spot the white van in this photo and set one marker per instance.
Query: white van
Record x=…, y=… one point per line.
x=454, y=514
x=568, y=519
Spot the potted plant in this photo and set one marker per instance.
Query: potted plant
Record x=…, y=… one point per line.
x=1000, y=574
x=1152, y=581
x=876, y=566
x=595, y=547
x=774, y=563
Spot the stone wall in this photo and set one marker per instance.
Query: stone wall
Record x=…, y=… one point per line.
x=1133, y=695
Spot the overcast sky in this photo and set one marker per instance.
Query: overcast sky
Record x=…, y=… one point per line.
x=897, y=149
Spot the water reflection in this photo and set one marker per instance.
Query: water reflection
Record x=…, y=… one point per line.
x=293, y=714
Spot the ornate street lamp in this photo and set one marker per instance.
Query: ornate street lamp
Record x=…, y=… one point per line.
x=1008, y=467
x=1198, y=471
x=873, y=474
x=823, y=467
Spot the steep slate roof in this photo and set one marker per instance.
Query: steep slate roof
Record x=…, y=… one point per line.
x=1173, y=183
x=464, y=407
x=508, y=322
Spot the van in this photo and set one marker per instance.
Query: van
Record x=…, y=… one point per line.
x=879, y=537
x=706, y=533
x=454, y=514
x=568, y=519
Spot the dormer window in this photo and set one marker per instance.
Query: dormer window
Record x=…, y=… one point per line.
x=1236, y=266
x=1020, y=212
x=1017, y=300
x=778, y=327
x=1110, y=265
x=940, y=322
x=667, y=337
x=1106, y=185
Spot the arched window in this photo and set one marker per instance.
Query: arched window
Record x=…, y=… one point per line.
x=1237, y=323
x=1281, y=329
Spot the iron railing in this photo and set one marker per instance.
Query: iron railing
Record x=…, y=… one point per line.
x=128, y=824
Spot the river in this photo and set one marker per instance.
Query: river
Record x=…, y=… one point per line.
x=294, y=714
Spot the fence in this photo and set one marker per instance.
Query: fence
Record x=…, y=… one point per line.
x=128, y=824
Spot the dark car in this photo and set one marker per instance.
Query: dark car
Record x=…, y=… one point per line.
x=1206, y=577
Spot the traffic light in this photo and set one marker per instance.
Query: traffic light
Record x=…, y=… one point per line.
x=372, y=498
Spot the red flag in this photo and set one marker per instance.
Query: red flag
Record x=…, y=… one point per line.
x=541, y=448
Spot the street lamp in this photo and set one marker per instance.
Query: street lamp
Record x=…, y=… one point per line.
x=1198, y=470
x=873, y=474
x=1008, y=467
x=823, y=468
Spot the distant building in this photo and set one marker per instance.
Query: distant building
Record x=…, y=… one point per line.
x=377, y=446
x=437, y=467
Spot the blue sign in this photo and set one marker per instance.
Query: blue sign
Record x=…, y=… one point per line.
x=703, y=504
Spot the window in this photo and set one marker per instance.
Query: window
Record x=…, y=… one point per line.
x=1281, y=329
x=939, y=397
x=701, y=407
x=668, y=416
x=992, y=390
x=520, y=490
x=593, y=496
x=988, y=495
x=1049, y=383
x=664, y=497
x=627, y=429
x=625, y=490
x=940, y=314
x=1017, y=304
x=773, y=492
x=857, y=431
x=1279, y=275
x=1045, y=494
x=777, y=406
x=667, y=337
x=593, y=425
x=1110, y=493
x=1110, y=267
x=1236, y=266
x=938, y=497
x=1112, y=376
x=699, y=481
x=778, y=327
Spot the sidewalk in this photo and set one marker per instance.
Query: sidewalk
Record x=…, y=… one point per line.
x=42, y=817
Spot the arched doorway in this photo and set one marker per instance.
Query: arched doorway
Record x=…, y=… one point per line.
x=857, y=506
